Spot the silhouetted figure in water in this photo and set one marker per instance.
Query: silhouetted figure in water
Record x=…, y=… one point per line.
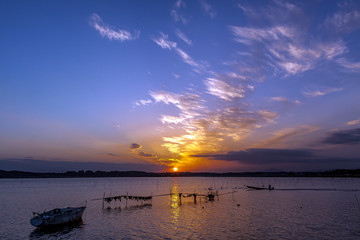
x=270, y=187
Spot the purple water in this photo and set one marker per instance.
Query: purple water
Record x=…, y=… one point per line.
x=309, y=213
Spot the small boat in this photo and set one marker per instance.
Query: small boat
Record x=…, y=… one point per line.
x=57, y=216
x=261, y=188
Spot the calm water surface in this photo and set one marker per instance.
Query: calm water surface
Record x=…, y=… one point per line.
x=280, y=214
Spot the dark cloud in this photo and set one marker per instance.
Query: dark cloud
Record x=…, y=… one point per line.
x=350, y=137
x=135, y=146
x=261, y=156
x=142, y=154
x=285, y=159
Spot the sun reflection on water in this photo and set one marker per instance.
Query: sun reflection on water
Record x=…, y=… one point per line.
x=174, y=203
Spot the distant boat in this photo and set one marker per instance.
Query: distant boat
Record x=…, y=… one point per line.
x=57, y=216
x=261, y=188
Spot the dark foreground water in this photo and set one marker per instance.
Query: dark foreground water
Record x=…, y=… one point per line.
x=309, y=213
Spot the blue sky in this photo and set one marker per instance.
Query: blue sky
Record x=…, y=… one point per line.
x=200, y=85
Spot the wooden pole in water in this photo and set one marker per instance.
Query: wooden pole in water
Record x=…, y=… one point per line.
x=357, y=201
x=103, y=201
x=127, y=194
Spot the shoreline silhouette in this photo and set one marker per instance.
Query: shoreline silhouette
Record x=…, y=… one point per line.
x=354, y=173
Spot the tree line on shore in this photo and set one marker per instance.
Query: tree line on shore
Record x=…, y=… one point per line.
x=94, y=174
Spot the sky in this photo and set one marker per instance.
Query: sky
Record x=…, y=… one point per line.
x=219, y=86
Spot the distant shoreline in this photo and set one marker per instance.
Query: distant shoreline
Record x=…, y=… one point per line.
x=355, y=173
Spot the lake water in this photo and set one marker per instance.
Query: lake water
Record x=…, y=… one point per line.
x=285, y=213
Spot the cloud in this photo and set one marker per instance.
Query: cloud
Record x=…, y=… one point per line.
x=248, y=11
x=188, y=103
x=284, y=100
x=112, y=154
x=259, y=156
x=164, y=43
x=148, y=155
x=276, y=45
x=351, y=66
x=205, y=129
x=344, y=21
x=347, y=137
x=143, y=102
x=248, y=35
x=176, y=12
x=354, y=122
x=280, y=45
x=286, y=159
x=108, y=32
x=285, y=134
x=323, y=92
x=187, y=59
x=224, y=90
x=183, y=37
x=207, y=8
x=284, y=48
x=135, y=146
x=172, y=119
x=279, y=99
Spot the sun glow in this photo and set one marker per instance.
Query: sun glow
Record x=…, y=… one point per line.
x=175, y=169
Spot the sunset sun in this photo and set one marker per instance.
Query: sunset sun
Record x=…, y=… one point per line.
x=175, y=169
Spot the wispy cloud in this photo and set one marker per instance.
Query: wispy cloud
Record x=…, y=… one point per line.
x=285, y=100
x=280, y=45
x=247, y=35
x=353, y=122
x=143, y=102
x=280, y=99
x=176, y=12
x=247, y=10
x=207, y=8
x=344, y=21
x=110, y=33
x=183, y=37
x=224, y=90
x=351, y=66
x=206, y=129
x=187, y=59
x=286, y=50
x=318, y=93
x=281, y=136
x=165, y=43
x=188, y=103
x=218, y=116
